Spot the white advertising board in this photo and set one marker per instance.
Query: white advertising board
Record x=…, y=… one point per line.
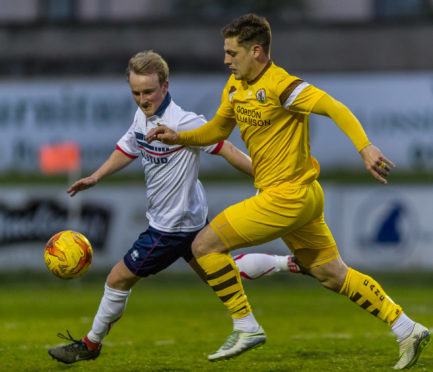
x=396, y=110
x=375, y=227
x=387, y=228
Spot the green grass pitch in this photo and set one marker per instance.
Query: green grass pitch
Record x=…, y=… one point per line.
x=173, y=321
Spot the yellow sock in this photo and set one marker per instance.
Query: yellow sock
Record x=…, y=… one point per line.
x=223, y=276
x=368, y=294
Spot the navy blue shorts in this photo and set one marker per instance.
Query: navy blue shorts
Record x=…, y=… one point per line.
x=155, y=250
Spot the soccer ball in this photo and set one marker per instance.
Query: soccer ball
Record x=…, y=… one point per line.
x=68, y=254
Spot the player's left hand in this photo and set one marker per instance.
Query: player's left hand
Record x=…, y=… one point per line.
x=376, y=163
x=163, y=134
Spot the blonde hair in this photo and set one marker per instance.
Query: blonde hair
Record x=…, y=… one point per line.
x=146, y=63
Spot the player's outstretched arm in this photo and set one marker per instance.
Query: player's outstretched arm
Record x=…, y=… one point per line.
x=114, y=163
x=214, y=131
x=375, y=162
x=82, y=184
x=236, y=158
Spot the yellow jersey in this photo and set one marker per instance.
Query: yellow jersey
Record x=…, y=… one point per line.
x=272, y=114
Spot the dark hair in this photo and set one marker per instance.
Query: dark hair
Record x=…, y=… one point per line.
x=146, y=63
x=250, y=29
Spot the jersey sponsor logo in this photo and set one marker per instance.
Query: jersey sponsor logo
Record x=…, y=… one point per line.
x=154, y=159
x=154, y=149
x=251, y=117
x=154, y=154
x=261, y=95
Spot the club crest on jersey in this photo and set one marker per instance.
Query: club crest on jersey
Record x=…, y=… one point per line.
x=261, y=95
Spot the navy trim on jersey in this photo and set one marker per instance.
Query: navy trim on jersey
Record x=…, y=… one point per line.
x=139, y=137
x=164, y=105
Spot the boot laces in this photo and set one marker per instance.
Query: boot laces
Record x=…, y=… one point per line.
x=76, y=344
x=231, y=340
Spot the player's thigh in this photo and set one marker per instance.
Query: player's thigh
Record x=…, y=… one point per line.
x=272, y=214
x=155, y=250
x=313, y=243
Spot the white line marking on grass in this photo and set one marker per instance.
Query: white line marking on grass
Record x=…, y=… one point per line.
x=322, y=335
x=309, y=336
x=111, y=344
x=164, y=342
x=421, y=309
x=10, y=325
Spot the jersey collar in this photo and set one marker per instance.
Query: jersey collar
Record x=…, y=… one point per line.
x=163, y=106
x=257, y=78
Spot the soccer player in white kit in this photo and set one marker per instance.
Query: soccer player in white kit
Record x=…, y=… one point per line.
x=177, y=208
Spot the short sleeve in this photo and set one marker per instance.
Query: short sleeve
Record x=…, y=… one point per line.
x=128, y=142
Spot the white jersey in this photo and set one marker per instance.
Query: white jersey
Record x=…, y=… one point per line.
x=176, y=198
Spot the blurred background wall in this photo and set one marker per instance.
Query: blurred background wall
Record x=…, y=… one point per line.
x=53, y=37
x=62, y=66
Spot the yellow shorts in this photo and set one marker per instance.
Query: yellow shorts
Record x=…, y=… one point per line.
x=294, y=214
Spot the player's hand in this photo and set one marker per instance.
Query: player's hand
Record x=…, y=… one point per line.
x=376, y=163
x=83, y=184
x=163, y=134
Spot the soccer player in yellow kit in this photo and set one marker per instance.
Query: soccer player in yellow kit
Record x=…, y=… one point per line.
x=271, y=109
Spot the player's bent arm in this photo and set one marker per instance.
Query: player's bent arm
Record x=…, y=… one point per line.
x=117, y=161
x=375, y=162
x=344, y=118
x=236, y=158
x=114, y=163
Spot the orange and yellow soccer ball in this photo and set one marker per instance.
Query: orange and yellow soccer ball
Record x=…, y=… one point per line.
x=68, y=254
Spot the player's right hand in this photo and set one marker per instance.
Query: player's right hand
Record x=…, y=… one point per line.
x=163, y=134
x=80, y=185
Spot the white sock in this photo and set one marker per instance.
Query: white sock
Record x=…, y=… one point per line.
x=256, y=265
x=246, y=324
x=402, y=327
x=110, y=309
x=282, y=263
